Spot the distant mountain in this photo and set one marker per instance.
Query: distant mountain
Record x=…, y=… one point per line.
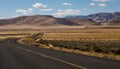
x=46, y=20
x=99, y=17
x=75, y=16
x=115, y=21
x=82, y=21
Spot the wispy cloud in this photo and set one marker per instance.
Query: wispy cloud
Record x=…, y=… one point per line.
x=62, y=13
x=49, y=9
x=101, y=0
x=92, y=4
x=102, y=4
x=16, y=16
x=1, y=17
x=66, y=4
x=24, y=11
x=99, y=3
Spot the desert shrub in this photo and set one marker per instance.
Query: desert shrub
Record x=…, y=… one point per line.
x=88, y=45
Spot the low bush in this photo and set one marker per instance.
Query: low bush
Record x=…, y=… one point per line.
x=107, y=47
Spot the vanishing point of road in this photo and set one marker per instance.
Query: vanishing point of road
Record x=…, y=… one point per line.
x=18, y=56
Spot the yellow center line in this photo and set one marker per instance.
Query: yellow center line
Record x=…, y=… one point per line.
x=46, y=56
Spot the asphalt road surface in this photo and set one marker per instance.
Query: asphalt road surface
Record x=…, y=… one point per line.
x=18, y=56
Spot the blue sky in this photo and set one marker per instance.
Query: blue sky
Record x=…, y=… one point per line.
x=57, y=8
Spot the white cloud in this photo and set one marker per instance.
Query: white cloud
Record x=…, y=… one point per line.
x=1, y=17
x=42, y=7
x=102, y=5
x=24, y=11
x=101, y=0
x=67, y=4
x=92, y=4
x=16, y=16
x=49, y=9
x=61, y=13
x=39, y=5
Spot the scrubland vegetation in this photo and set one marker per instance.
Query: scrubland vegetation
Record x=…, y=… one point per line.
x=94, y=41
x=107, y=47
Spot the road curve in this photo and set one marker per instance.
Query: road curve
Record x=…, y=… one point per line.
x=18, y=56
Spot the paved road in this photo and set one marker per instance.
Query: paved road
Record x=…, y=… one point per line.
x=17, y=56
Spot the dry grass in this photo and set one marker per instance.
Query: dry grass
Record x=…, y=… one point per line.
x=39, y=27
x=72, y=34
x=81, y=36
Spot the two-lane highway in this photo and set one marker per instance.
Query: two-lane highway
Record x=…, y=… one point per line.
x=18, y=56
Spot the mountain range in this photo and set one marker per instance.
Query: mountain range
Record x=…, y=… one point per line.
x=78, y=20
x=44, y=20
x=99, y=17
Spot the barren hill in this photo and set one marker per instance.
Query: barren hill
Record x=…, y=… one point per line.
x=47, y=20
x=82, y=21
x=39, y=20
x=98, y=17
